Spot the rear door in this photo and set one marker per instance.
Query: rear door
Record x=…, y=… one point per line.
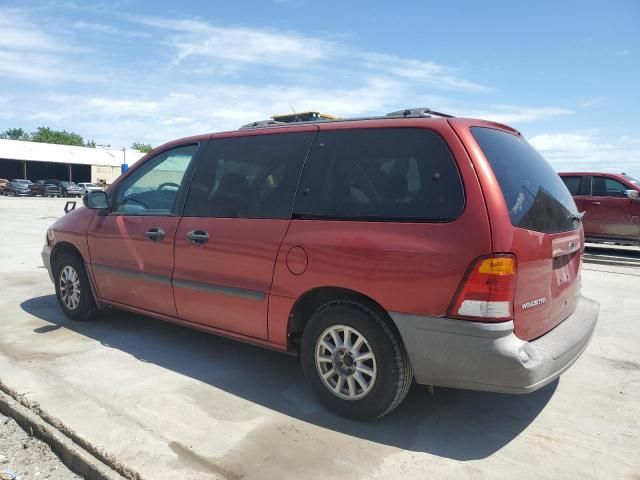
x=610, y=211
x=236, y=215
x=576, y=184
x=131, y=248
x=534, y=218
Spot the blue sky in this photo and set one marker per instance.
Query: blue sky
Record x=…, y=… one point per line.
x=566, y=74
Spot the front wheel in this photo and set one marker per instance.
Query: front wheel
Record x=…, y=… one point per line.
x=354, y=361
x=72, y=288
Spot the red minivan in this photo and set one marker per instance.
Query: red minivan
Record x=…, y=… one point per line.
x=414, y=246
x=611, y=203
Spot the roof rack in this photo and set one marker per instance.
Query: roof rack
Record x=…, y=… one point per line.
x=288, y=118
x=418, y=112
x=315, y=117
x=262, y=124
x=303, y=117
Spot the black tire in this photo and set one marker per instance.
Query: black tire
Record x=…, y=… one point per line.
x=85, y=309
x=394, y=375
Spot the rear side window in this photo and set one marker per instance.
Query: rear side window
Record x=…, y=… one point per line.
x=536, y=197
x=248, y=177
x=390, y=174
x=572, y=184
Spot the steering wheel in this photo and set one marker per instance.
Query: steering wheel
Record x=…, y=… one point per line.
x=168, y=184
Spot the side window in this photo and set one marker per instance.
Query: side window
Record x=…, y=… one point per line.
x=248, y=177
x=607, y=187
x=152, y=189
x=573, y=184
x=380, y=174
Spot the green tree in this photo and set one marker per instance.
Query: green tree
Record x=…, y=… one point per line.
x=142, y=147
x=60, y=137
x=15, y=134
x=90, y=144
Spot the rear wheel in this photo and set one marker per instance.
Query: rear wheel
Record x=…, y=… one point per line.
x=72, y=287
x=354, y=361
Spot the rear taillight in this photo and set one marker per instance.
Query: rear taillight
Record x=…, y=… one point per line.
x=487, y=290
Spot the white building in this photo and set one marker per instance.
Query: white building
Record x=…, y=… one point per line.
x=36, y=161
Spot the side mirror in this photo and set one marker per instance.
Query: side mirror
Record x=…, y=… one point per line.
x=96, y=200
x=632, y=194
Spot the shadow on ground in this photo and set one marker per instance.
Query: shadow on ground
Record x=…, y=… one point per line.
x=457, y=424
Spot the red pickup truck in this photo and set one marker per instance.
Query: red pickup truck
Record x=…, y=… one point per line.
x=611, y=202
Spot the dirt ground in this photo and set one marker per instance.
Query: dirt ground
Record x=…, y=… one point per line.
x=24, y=457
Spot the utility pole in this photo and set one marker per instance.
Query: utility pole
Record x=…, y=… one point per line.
x=124, y=167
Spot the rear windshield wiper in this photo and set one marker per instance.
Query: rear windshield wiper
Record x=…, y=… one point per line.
x=577, y=217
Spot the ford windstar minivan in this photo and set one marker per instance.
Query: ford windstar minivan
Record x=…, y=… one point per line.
x=410, y=247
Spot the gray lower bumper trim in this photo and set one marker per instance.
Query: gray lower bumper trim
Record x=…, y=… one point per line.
x=46, y=260
x=489, y=356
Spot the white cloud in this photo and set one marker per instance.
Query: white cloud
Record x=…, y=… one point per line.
x=591, y=102
x=514, y=114
x=20, y=34
x=29, y=52
x=204, y=91
x=214, y=49
x=163, y=116
x=195, y=38
x=624, y=52
x=417, y=71
x=588, y=151
x=562, y=142
x=105, y=29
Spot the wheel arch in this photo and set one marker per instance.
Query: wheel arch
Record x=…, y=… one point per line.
x=62, y=247
x=312, y=299
x=67, y=247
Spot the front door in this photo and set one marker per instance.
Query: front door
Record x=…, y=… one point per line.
x=132, y=247
x=237, y=213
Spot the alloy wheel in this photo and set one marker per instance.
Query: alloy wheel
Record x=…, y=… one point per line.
x=69, y=282
x=345, y=362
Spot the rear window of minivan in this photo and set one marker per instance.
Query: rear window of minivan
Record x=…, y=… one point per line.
x=536, y=197
x=381, y=174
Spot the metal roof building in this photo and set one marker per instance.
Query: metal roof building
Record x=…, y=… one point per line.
x=32, y=160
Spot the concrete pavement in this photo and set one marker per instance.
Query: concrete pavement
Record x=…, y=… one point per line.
x=161, y=401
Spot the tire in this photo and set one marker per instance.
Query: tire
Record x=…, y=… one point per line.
x=80, y=306
x=378, y=394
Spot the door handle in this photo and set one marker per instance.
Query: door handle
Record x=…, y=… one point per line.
x=595, y=203
x=198, y=237
x=155, y=234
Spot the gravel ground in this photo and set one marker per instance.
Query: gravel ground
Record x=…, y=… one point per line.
x=23, y=457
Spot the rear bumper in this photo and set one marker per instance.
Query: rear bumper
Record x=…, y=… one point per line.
x=489, y=356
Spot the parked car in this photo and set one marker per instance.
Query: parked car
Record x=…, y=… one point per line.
x=611, y=203
x=413, y=246
x=22, y=180
x=16, y=188
x=89, y=187
x=3, y=183
x=70, y=189
x=46, y=188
